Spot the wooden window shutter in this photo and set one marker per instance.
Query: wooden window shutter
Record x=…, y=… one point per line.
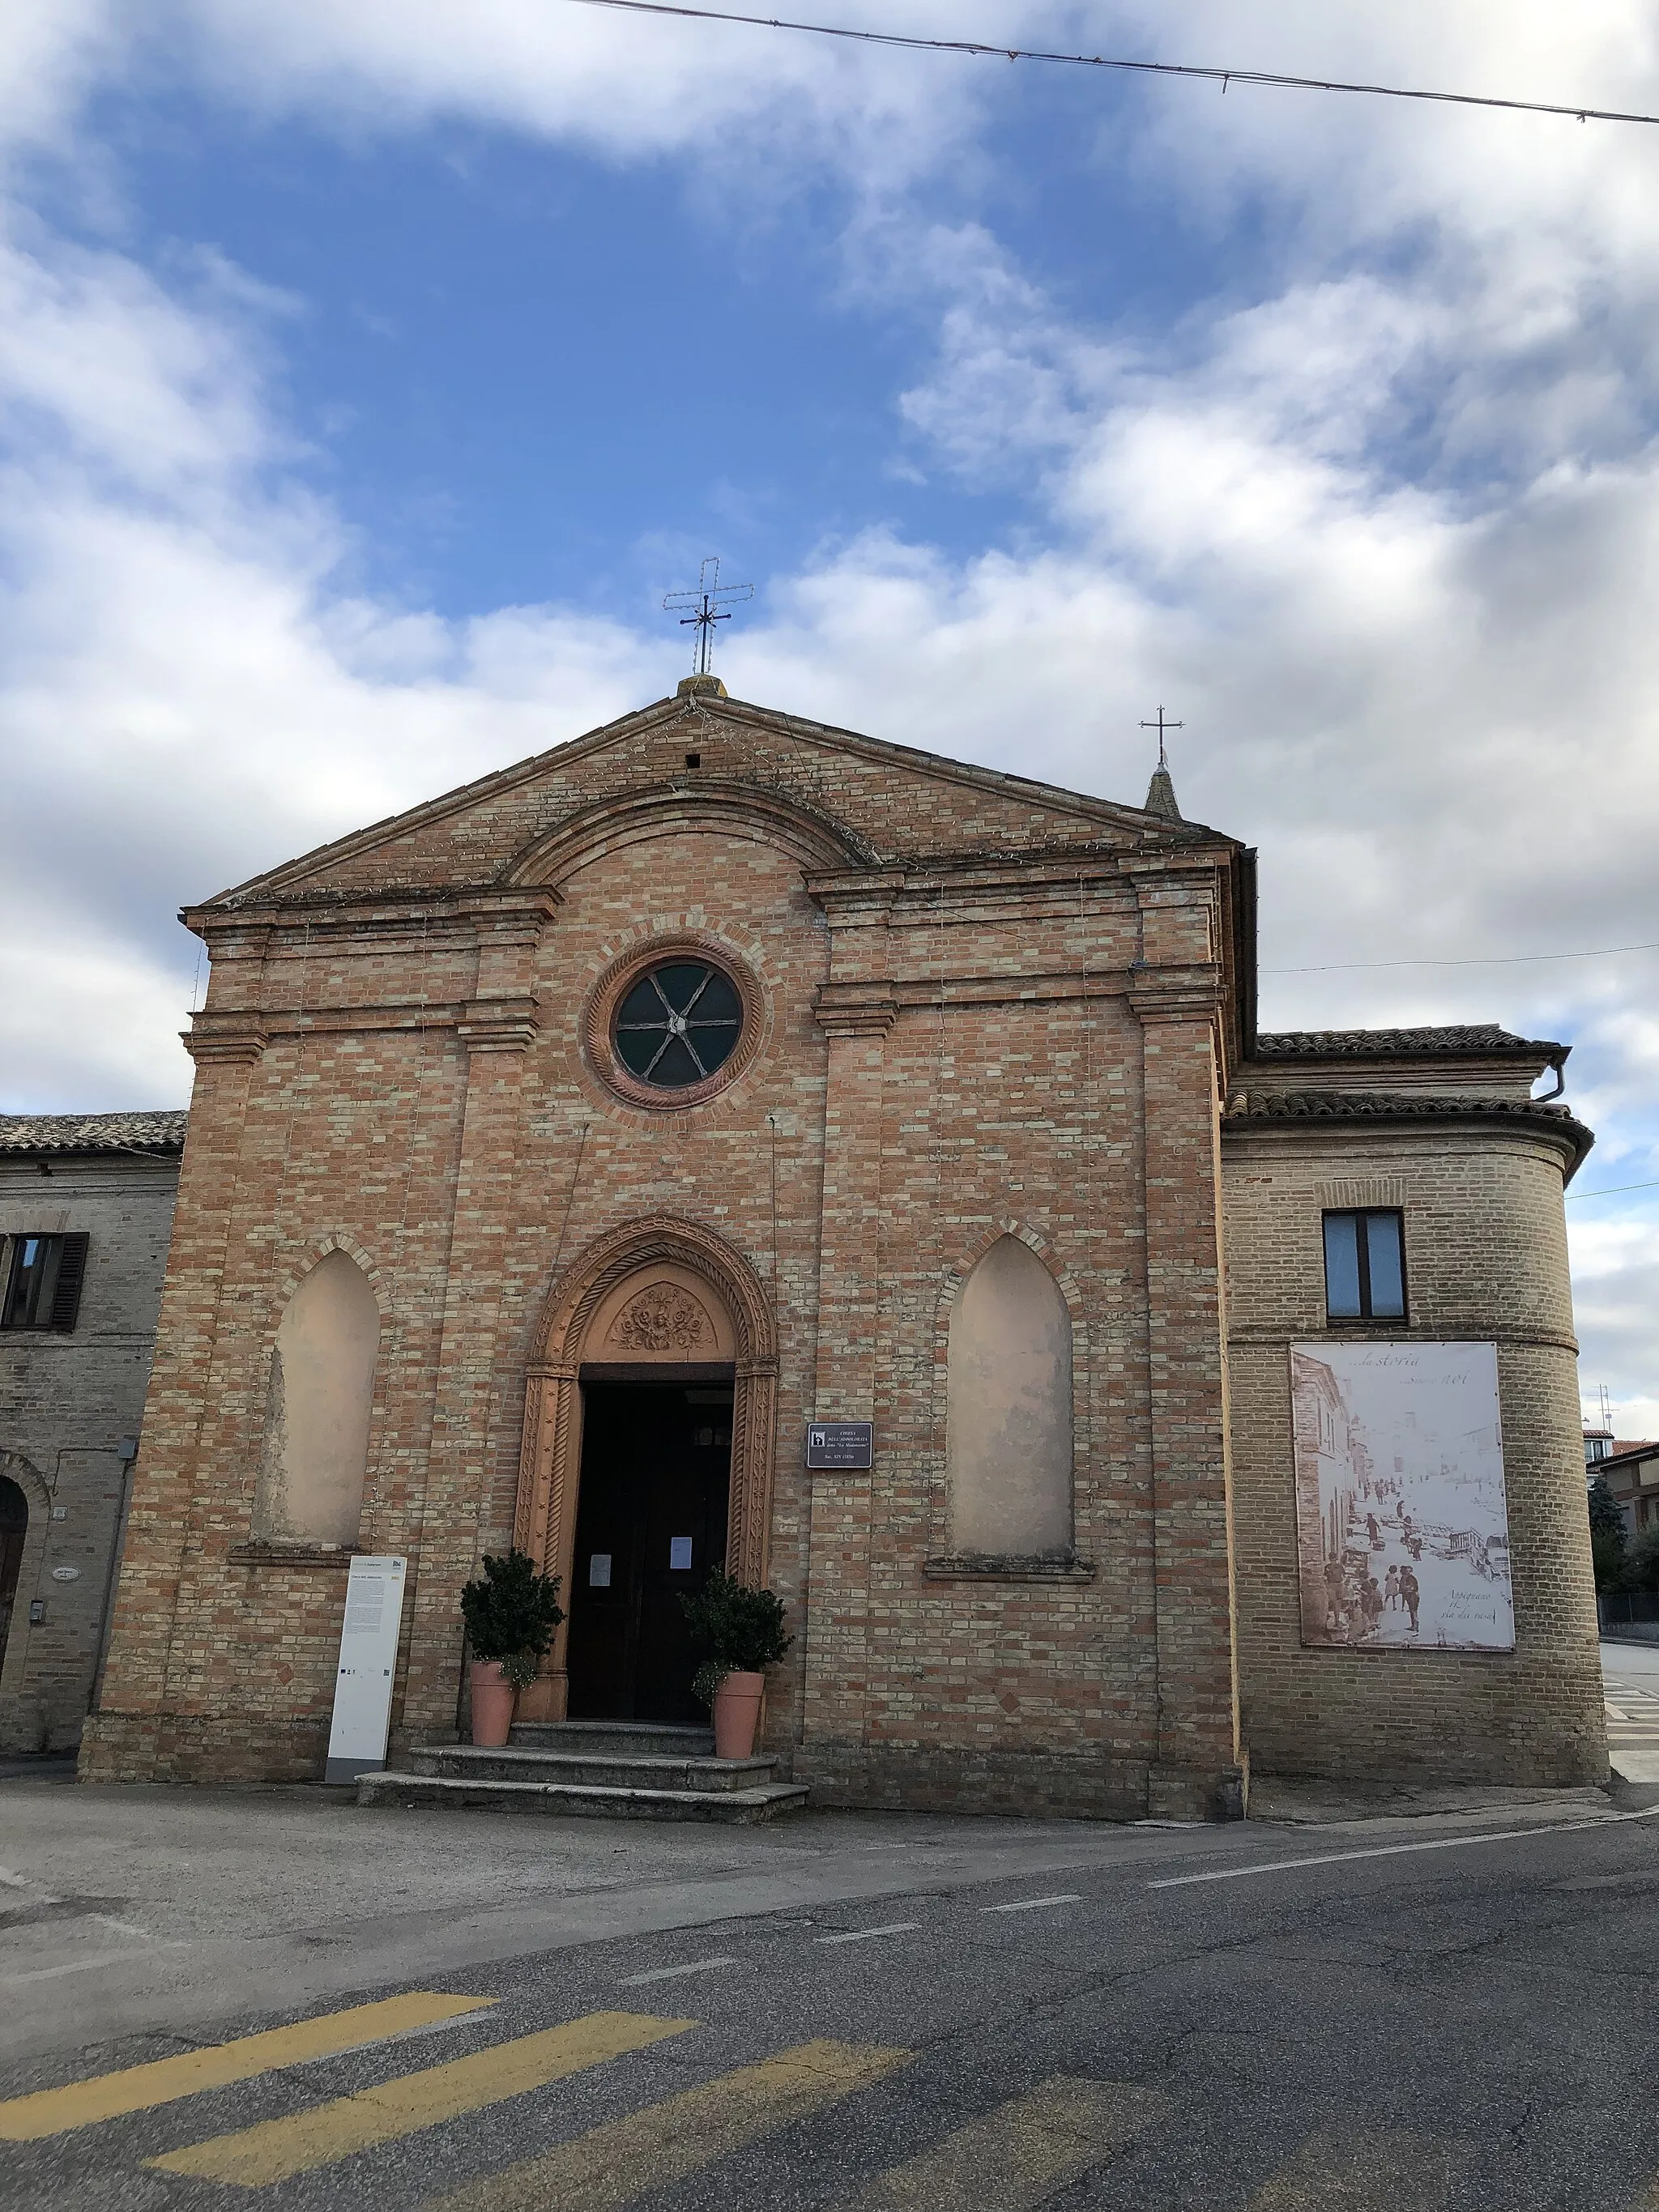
x=71, y=1273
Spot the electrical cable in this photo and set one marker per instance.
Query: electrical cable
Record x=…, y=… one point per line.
x=1475, y=960
x=1224, y=77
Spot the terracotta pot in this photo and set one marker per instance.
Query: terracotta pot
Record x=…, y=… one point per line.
x=737, y=1714
x=493, y=1697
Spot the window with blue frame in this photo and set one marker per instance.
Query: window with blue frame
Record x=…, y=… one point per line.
x=1365, y=1264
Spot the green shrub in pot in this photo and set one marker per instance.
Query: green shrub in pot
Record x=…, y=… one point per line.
x=740, y=1629
x=511, y=1612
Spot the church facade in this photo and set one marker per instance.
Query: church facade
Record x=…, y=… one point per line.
x=573, y=1158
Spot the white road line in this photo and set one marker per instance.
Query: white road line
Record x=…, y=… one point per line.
x=122, y=1927
x=674, y=1973
x=74, y=1966
x=869, y=1935
x=1033, y=1904
x=1397, y=1850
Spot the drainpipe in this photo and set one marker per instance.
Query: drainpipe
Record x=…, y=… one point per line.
x=126, y=1450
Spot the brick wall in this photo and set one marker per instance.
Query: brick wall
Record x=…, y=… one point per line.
x=947, y=1056
x=66, y=1400
x=1485, y=1243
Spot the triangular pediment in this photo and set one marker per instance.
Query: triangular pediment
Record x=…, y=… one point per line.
x=838, y=800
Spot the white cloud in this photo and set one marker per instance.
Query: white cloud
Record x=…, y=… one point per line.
x=1384, y=537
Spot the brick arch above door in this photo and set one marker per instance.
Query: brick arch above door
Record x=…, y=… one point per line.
x=658, y=1278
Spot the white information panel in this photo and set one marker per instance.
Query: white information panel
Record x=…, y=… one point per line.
x=368, y=1660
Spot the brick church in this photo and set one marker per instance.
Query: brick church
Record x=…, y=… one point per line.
x=563, y=1150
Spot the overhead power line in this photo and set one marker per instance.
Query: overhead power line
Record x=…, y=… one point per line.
x=1477, y=960
x=1224, y=77
x=1614, y=1191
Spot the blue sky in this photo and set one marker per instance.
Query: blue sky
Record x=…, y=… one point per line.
x=368, y=371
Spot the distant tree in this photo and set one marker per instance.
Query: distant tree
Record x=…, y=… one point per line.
x=1604, y=1518
x=1641, y=1562
x=1609, y=1539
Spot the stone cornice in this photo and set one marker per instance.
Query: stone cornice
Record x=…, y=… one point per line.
x=1176, y=995
x=856, y=1009
x=501, y=1025
x=236, y=1045
x=510, y=912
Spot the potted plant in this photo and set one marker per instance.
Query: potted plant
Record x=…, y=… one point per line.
x=511, y=1612
x=742, y=1631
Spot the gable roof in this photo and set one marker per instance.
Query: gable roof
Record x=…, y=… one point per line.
x=839, y=783
x=1462, y=1038
x=154, y=1133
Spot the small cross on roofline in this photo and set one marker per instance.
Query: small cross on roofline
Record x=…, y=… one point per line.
x=1160, y=794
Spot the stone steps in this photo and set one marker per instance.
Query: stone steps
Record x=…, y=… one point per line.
x=597, y=1769
x=621, y=1739
x=603, y=1770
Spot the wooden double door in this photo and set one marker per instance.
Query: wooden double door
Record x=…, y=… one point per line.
x=651, y=1520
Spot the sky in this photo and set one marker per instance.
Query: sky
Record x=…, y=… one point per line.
x=369, y=370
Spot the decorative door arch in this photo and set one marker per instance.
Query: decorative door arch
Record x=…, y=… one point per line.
x=660, y=1292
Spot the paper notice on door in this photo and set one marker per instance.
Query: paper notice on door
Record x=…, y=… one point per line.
x=679, y=1553
x=599, y=1570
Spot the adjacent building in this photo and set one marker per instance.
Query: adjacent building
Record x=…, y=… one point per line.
x=86, y=1209
x=1630, y=1472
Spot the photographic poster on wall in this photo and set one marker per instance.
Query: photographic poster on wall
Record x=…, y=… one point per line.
x=1403, y=1526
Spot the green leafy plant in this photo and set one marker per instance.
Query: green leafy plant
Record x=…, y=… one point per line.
x=1609, y=1539
x=740, y=1629
x=1607, y=1560
x=511, y=1612
x=1640, y=1566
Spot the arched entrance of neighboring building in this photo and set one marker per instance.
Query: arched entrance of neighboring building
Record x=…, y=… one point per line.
x=14, y=1534
x=646, y=1461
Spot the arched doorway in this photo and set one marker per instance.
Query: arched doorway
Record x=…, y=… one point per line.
x=647, y=1460
x=14, y=1534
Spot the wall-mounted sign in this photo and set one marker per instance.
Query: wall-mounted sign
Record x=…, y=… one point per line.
x=368, y=1660
x=599, y=1570
x=679, y=1554
x=66, y=1574
x=841, y=1444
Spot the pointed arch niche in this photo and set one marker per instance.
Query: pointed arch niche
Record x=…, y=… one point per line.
x=657, y=1293
x=1008, y=1410
x=315, y=1451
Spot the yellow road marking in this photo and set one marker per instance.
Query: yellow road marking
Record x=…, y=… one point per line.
x=274, y=2150
x=1382, y=2171
x=135, y=2089
x=1012, y=2159
x=612, y=2164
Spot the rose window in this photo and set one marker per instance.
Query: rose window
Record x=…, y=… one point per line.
x=678, y=1023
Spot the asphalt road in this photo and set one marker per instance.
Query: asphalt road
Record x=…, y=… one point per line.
x=1400, y=2014
x=1631, y=1674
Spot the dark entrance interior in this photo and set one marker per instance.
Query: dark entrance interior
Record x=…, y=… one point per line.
x=14, y=1531
x=650, y=1525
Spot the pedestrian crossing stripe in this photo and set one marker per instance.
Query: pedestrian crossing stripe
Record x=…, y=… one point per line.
x=1379, y=2170
x=162, y=2081
x=1016, y=2157
x=612, y=2164
x=274, y=2150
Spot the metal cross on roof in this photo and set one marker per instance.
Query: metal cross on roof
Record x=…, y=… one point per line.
x=1162, y=728
x=706, y=609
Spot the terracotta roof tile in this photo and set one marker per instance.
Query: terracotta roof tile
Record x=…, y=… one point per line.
x=161, y=1132
x=1459, y=1038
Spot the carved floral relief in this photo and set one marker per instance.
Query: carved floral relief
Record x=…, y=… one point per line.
x=664, y=1317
